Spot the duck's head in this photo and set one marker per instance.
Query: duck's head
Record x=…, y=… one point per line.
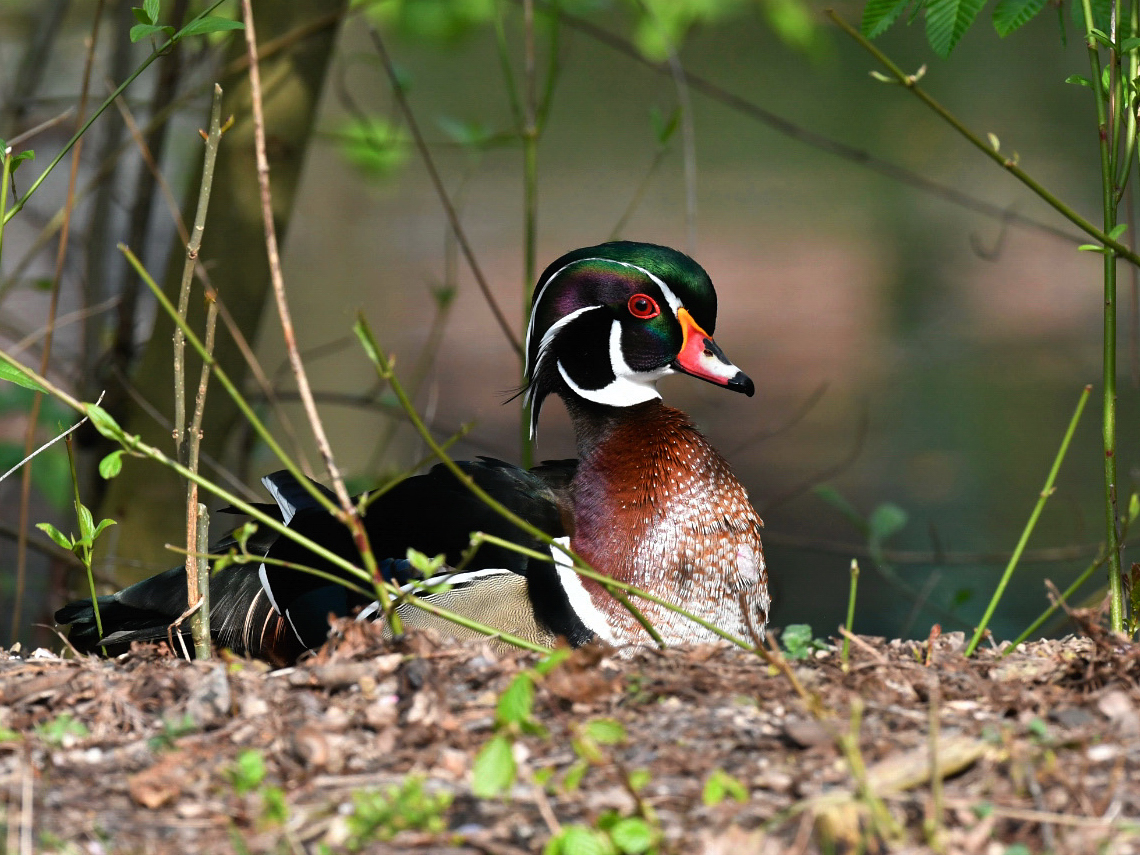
x=609, y=321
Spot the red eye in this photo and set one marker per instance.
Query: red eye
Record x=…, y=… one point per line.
x=643, y=306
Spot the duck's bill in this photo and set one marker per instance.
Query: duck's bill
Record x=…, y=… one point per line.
x=701, y=357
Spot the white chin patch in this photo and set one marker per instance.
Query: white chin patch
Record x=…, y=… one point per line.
x=628, y=387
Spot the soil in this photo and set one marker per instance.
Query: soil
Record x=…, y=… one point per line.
x=359, y=748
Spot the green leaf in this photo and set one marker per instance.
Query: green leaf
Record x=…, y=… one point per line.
x=948, y=20
x=15, y=160
x=886, y=520
x=833, y=497
x=426, y=567
x=143, y=31
x=639, y=779
x=15, y=375
x=1090, y=247
x=1102, y=37
x=572, y=780
x=374, y=145
x=1133, y=508
x=516, y=701
x=878, y=15
x=1079, y=80
x=1129, y=44
x=247, y=771
x=1101, y=15
x=719, y=784
x=152, y=9
x=142, y=16
x=632, y=835
x=494, y=769
x=1011, y=15
x=103, y=422
x=471, y=135
x=111, y=465
x=797, y=639
x=663, y=129
x=86, y=524
x=57, y=536
x=99, y=529
x=1118, y=230
x=207, y=25
x=606, y=731
x=551, y=661
x=580, y=840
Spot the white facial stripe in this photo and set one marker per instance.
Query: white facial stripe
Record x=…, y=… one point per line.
x=670, y=297
x=625, y=391
x=545, y=344
x=580, y=600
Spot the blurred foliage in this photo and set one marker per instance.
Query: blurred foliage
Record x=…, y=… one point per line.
x=51, y=475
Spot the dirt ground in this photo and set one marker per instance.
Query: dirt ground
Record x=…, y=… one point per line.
x=369, y=747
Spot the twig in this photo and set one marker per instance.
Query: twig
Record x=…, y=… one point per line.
x=46, y=446
x=449, y=209
x=850, y=612
x=1031, y=523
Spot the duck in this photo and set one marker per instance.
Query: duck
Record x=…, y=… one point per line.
x=648, y=501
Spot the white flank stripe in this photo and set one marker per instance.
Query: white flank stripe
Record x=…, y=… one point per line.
x=289, y=618
x=288, y=509
x=264, y=577
x=580, y=600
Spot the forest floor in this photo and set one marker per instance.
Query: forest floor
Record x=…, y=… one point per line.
x=369, y=747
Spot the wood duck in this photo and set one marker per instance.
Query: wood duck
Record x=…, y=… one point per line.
x=649, y=501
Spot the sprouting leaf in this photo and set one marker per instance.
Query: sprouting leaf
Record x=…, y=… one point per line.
x=103, y=525
x=426, y=567
x=143, y=31
x=995, y=143
x=111, y=465
x=879, y=15
x=886, y=520
x=798, y=641
x=207, y=25
x=103, y=422
x=605, y=731
x=1133, y=508
x=374, y=145
x=1090, y=247
x=494, y=769
x=57, y=536
x=516, y=701
x=1010, y=15
x=1118, y=230
x=15, y=375
x=631, y=835
x=1079, y=80
x=86, y=523
x=720, y=784
x=948, y=20
x=16, y=159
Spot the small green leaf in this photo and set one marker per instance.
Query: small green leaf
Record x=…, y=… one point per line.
x=878, y=15
x=551, y=661
x=1079, y=80
x=719, y=784
x=516, y=701
x=207, y=25
x=57, y=536
x=1102, y=37
x=152, y=8
x=663, y=129
x=103, y=526
x=494, y=769
x=103, y=422
x=606, y=731
x=572, y=780
x=14, y=375
x=886, y=520
x=375, y=145
x=1037, y=728
x=1090, y=247
x=143, y=31
x=580, y=840
x=995, y=143
x=1010, y=15
x=142, y=16
x=1118, y=230
x=982, y=810
x=247, y=771
x=426, y=567
x=17, y=159
x=797, y=639
x=1129, y=44
x=86, y=524
x=1133, y=508
x=111, y=465
x=638, y=779
x=632, y=835
x=948, y=20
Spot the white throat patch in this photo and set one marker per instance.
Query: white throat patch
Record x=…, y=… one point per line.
x=628, y=387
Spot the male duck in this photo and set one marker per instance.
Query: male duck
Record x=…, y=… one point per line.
x=648, y=502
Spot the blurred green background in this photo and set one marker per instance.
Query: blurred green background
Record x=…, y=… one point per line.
x=950, y=346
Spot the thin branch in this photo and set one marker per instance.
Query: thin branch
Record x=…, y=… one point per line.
x=441, y=191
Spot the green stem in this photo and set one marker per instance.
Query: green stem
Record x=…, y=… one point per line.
x=5, y=177
x=909, y=81
x=1048, y=613
x=1046, y=492
x=850, y=611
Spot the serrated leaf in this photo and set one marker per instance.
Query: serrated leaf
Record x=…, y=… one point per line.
x=516, y=701
x=632, y=835
x=209, y=24
x=948, y=20
x=111, y=465
x=57, y=536
x=14, y=375
x=152, y=8
x=1011, y=15
x=887, y=519
x=494, y=769
x=878, y=15
x=605, y=731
